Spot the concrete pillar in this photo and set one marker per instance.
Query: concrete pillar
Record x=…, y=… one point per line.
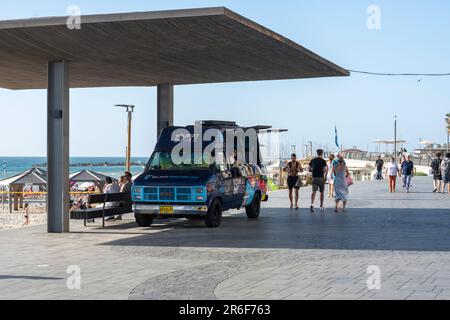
x=58, y=147
x=165, y=107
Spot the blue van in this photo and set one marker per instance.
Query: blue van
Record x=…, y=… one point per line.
x=198, y=190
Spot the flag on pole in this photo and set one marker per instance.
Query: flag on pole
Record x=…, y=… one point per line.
x=336, y=140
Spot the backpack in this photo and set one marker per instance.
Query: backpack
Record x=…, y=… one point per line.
x=445, y=166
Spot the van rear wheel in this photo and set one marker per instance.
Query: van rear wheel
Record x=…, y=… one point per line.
x=254, y=208
x=143, y=220
x=214, y=216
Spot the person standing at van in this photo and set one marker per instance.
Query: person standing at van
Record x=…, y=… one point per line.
x=392, y=171
x=293, y=168
x=319, y=168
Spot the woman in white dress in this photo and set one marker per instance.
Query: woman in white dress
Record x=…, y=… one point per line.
x=340, y=172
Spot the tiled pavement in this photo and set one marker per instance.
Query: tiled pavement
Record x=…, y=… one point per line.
x=283, y=255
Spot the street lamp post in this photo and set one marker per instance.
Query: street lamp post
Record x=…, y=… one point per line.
x=447, y=119
x=129, y=110
x=395, y=137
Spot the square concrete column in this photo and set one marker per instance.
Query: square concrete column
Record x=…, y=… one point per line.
x=165, y=107
x=58, y=147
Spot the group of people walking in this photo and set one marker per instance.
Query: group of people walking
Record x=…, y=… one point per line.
x=440, y=169
x=404, y=170
x=335, y=173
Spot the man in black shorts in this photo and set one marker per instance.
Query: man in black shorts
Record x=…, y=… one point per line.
x=318, y=167
x=437, y=174
x=293, y=168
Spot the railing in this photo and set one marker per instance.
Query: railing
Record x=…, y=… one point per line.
x=373, y=156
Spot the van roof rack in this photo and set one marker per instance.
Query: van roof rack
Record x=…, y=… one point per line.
x=217, y=123
x=260, y=128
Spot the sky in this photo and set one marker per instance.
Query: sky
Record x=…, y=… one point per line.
x=412, y=38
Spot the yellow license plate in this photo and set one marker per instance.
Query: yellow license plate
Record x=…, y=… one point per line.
x=166, y=210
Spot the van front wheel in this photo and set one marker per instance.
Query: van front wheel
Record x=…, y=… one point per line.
x=214, y=216
x=254, y=208
x=143, y=220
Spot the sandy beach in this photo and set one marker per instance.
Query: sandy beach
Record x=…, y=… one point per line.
x=16, y=219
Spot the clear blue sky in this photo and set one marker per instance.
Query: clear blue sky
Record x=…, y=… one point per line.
x=413, y=38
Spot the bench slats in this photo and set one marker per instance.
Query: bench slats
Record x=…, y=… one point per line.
x=109, y=197
x=93, y=213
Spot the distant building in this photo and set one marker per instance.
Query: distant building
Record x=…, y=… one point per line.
x=354, y=153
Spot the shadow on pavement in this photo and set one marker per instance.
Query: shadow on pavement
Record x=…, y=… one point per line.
x=9, y=277
x=278, y=228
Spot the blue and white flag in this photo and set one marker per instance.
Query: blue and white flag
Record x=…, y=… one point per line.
x=336, y=140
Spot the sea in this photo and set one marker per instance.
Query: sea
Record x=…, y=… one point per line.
x=10, y=166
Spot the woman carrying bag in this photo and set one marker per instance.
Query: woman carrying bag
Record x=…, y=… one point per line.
x=342, y=180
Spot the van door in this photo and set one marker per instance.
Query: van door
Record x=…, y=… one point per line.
x=239, y=180
x=226, y=180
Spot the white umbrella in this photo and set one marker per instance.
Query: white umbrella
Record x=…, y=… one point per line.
x=427, y=143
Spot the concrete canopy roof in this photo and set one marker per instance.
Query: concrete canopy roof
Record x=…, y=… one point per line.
x=150, y=48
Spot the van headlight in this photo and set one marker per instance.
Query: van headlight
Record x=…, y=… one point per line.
x=138, y=190
x=199, y=190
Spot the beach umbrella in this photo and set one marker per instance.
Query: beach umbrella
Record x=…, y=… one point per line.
x=31, y=176
x=88, y=176
x=427, y=142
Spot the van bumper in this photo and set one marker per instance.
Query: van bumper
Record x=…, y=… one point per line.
x=178, y=210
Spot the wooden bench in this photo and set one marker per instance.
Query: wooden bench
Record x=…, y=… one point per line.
x=95, y=199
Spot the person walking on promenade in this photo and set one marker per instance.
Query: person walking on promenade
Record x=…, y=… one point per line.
x=293, y=168
x=407, y=172
x=341, y=174
x=445, y=171
x=379, y=164
x=330, y=177
x=436, y=171
x=392, y=171
x=318, y=167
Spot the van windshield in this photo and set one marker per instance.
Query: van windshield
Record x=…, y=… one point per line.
x=162, y=161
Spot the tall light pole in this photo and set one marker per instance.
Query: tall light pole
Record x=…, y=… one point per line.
x=395, y=138
x=129, y=110
x=447, y=119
